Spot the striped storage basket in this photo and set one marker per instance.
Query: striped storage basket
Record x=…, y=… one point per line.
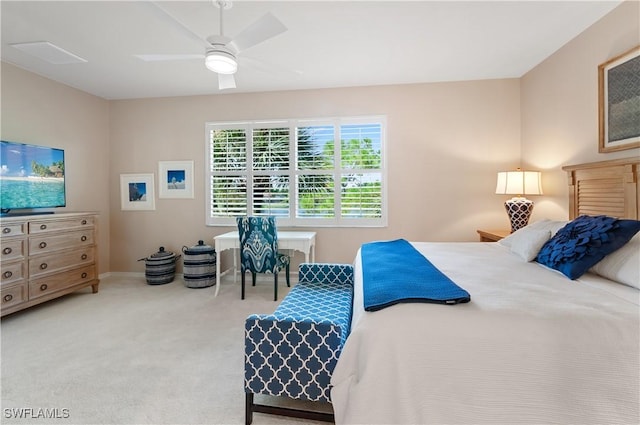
x=160, y=267
x=199, y=269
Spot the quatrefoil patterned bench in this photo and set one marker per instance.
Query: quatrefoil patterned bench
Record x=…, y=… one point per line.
x=292, y=352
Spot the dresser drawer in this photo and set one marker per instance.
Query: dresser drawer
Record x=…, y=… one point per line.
x=12, y=295
x=12, y=272
x=12, y=249
x=42, y=244
x=55, y=282
x=58, y=261
x=13, y=229
x=43, y=226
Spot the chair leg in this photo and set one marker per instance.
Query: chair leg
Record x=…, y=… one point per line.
x=253, y=278
x=287, y=276
x=275, y=286
x=242, y=279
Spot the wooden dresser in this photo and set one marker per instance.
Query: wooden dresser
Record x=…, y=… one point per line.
x=46, y=256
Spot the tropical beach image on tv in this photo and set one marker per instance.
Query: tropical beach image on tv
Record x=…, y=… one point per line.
x=31, y=176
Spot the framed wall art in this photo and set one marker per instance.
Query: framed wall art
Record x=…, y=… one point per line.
x=175, y=179
x=619, y=102
x=137, y=192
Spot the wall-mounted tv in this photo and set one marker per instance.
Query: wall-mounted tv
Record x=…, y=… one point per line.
x=31, y=177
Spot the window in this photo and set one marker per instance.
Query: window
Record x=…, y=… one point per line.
x=296, y=171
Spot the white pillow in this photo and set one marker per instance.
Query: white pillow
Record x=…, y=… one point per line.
x=622, y=265
x=551, y=225
x=526, y=243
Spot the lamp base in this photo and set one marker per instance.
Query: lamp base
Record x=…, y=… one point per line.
x=519, y=210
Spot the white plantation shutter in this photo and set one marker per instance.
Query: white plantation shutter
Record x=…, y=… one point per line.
x=229, y=196
x=360, y=155
x=228, y=150
x=361, y=146
x=318, y=203
x=296, y=171
x=227, y=192
x=361, y=196
x=271, y=195
x=270, y=149
x=311, y=147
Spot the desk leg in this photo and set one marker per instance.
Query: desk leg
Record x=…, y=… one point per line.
x=217, y=272
x=235, y=266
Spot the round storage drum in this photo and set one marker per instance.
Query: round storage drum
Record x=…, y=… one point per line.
x=199, y=269
x=160, y=267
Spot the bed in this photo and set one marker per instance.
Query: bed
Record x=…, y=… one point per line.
x=531, y=347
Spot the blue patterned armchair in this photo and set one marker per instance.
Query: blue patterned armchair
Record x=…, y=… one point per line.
x=259, y=250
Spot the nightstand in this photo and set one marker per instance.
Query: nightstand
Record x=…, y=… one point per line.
x=492, y=235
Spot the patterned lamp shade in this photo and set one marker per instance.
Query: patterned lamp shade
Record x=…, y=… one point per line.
x=519, y=183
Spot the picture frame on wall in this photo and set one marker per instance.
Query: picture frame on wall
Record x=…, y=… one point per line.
x=175, y=179
x=619, y=102
x=137, y=192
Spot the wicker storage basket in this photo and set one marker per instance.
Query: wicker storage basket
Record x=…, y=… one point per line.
x=160, y=267
x=199, y=266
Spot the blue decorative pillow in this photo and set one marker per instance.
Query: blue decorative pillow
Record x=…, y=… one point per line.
x=584, y=241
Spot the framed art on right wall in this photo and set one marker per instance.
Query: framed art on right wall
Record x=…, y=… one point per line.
x=619, y=102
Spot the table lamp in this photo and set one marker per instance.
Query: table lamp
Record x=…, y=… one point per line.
x=519, y=183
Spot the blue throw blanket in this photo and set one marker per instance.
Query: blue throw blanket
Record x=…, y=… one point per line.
x=395, y=272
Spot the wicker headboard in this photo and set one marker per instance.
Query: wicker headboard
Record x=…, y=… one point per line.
x=605, y=187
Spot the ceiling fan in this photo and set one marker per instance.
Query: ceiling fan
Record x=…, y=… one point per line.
x=221, y=52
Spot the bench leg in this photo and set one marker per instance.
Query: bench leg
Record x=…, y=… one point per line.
x=248, y=408
x=285, y=411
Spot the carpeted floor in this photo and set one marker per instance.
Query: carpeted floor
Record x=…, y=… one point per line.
x=134, y=354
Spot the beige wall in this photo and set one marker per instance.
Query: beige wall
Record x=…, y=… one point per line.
x=445, y=143
x=40, y=111
x=560, y=104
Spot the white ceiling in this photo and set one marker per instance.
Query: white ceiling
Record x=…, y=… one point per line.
x=327, y=44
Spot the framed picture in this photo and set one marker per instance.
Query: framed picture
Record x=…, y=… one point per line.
x=175, y=179
x=136, y=192
x=619, y=102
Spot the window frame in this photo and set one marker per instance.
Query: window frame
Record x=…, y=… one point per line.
x=293, y=172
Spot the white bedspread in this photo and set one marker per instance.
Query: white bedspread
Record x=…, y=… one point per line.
x=531, y=347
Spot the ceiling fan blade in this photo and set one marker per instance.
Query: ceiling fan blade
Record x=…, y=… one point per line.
x=164, y=58
x=226, y=81
x=165, y=15
x=269, y=67
x=261, y=30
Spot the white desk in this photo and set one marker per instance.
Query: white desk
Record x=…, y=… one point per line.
x=304, y=242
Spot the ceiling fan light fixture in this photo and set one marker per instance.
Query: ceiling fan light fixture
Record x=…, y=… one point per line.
x=221, y=61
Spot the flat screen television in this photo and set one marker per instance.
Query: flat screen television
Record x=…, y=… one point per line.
x=31, y=178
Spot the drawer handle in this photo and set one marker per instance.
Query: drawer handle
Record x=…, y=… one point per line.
x=7, y=298
x=7, y=251
x=43, y=245
x=84, y=222
x=6, y=230
x=84, y=256
x=84, y=275
x=7, y=274
x=43, y=287
x=43, y=226
x=43, y=266
x=83, y=238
